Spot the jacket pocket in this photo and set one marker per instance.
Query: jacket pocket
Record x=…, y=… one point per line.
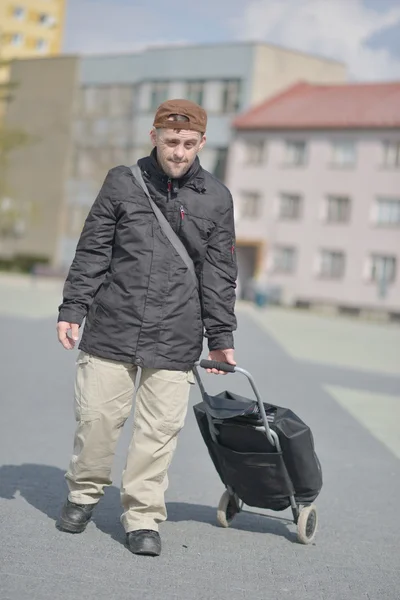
x=193, y=227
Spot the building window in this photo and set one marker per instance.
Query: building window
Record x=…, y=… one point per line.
x=391, y=154
x=295, y=154
x=343, y=154
x=230, y=96
x=101, y=131
x=388, y=211
x=106, y=101
x=195, y=91
x=88, y=100
x=220, y=163
x=42, y=45
x=120, y=133
x=331, y=264
x=159, y=94
x=290, y=207
x=19, y=13
x=95, y=100
x=214, y=161
x=338, y=209
x=250, y=205
x=91, y=163
x=122, y=98
x=255, y=152
x=45, y=19
x=17, y=39
x=383, y=268
x=284, y=259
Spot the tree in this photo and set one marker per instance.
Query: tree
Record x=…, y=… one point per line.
x=11, y=215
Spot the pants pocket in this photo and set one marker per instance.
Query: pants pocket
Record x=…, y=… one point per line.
x=103, y=388
x=163, y=399
x=85, y=388
x=190, y=378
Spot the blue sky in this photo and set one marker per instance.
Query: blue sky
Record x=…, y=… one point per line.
x=363, y=33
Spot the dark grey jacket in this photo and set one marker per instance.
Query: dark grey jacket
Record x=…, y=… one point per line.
x=139, y=299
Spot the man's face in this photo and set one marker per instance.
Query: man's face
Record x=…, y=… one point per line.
x=176, y=149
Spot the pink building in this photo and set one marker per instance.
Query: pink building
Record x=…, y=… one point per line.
x=315, y=174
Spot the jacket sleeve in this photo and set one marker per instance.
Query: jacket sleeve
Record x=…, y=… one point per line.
x=92, y=256
x=219, y=283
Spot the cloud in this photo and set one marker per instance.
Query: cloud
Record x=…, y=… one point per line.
x=334, y=28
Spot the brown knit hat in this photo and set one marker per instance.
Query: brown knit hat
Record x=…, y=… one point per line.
x=197, y=116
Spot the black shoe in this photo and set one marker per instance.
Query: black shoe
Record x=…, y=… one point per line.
x=144, y=541
x=75, y=517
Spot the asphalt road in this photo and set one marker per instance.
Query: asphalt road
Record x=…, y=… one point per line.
x=356, y=554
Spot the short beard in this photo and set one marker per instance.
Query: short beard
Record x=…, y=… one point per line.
x=169, y=172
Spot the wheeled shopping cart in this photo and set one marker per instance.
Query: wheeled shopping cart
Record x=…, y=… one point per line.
x=263, y=453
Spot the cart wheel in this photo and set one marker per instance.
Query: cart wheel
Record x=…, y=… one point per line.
x=227, y=509
x=307, y=524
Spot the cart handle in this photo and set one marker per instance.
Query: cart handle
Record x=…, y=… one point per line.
x=214, y=364
x=220, y=366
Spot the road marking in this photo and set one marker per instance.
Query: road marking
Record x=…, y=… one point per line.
x=332, y=340
x=378, y=413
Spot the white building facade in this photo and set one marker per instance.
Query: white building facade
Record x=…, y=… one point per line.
x=318, y=213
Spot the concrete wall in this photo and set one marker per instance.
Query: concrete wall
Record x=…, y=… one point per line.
x=276, y=68
x=42, y=107
x=358, y=238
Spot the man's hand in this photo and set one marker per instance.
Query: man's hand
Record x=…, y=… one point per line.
x=67, y=341
x=225, y=356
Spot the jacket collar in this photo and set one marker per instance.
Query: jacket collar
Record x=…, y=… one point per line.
x=194, y=178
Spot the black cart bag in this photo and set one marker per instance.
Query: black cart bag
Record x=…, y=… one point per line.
x=247, y=462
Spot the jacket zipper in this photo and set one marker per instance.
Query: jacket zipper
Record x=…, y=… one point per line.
x=169, y=188
x=181, y=217
x=181, y=208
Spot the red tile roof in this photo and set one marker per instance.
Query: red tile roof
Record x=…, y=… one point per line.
x=339, y=106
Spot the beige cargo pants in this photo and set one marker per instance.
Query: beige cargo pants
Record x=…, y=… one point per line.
x=104, y=392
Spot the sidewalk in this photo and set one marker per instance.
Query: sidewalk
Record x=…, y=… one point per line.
x=30, y=297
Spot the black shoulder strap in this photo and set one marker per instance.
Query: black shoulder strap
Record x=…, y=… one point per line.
x=165, y=226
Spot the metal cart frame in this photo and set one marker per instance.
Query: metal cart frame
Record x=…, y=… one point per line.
x=304, y=516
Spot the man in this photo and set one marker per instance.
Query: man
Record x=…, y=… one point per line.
x=143, y=309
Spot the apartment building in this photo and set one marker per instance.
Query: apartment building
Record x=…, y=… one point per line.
x=88, y=114
x=30, y=28
x=315, y=174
